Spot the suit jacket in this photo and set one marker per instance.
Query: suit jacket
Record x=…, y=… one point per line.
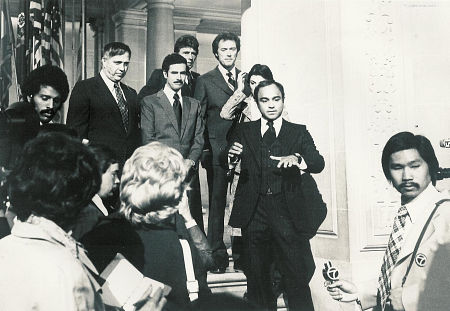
x=213, y=92
x=158, y=123
x=94, y=114
x=302, y=196
x=157, y=82
x=417, y=277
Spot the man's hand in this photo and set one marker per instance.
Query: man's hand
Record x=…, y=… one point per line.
x=156, y=302
x=234, y=153
x=395, y=297
x=286, y=161
x=183, y=208
x=189, y=164
x=343, y=290
x=241, y=81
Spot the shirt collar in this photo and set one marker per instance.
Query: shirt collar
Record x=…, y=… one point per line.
x=99, y=203
x=276, y=124
x=423, y=204
x=224, y=72
x=170, y=93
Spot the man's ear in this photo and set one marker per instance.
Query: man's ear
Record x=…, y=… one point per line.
x=29, y=99
x=165, y=74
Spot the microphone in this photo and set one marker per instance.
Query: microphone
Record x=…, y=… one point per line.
x=445, y=143
x=233, y=159
x=330, y=273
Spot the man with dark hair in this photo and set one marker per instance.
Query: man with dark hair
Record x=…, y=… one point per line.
x=104, y=110
x=277, y=204
x=410, y=165
x=175, y=120
x=186, y=46
x=44, y=91
x=213, y=90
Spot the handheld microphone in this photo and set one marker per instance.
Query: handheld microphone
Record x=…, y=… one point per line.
x=330, y=273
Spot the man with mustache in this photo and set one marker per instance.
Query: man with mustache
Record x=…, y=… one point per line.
x=410, y=165
x=186, y=46
x=175, y=120
x=104, y=110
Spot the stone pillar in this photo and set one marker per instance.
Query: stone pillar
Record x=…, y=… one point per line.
x=130, y=29
x=160, y=32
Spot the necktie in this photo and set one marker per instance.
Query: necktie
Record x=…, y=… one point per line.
x=270, y=135
x=231, y=81
x=122, y=105
x=177, y=109
x=391, y=254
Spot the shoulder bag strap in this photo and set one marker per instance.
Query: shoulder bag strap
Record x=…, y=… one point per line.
x=416, y=248
x=191, y=282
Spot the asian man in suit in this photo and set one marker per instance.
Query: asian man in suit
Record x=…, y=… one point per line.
x=175, y=120
x=104, y=110
x=423, y=218
x=277, y=204
x=213, y=90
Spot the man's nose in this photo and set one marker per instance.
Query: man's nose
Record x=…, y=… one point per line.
x=407, y=174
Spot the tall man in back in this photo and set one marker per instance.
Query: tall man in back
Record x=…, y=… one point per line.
x=175, y=120
x=277, y=204
x=104, y=110
x=213, y=89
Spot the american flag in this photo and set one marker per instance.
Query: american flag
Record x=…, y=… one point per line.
x=5, y=54
x=36, y=21
x=52, y=44
x=23, y=41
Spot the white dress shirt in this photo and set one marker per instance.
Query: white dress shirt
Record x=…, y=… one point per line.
x=170, y=93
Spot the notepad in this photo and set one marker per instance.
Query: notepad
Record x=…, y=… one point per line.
x=125, y=285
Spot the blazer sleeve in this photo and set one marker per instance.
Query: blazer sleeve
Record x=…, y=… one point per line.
x=78, y=112
x=197, y=146
x=147, y=121
x=201, y=95
x=313, y=159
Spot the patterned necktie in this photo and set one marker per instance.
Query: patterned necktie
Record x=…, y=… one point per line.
x=391, y=254
x=122, y=105
x=177, y=109
x=270, y=135
x=231, y=81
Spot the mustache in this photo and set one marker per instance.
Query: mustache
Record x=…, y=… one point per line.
x=178, y=81
x=48, y=110
x=409, y=184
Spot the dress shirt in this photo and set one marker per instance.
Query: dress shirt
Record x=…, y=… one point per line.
x=224, y=73
x=99, y=203
x=170, y=93
x=110, y=86
x=277, y=126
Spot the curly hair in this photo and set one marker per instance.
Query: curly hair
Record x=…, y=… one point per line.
x=152, y=185
x=47, y=75
x=55, y=178
x=186, y=41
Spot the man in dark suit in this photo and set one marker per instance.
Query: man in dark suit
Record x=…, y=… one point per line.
x=186, y=46
x=104, y=110
x=213, y=89
x=276, y=203
x=175, y=120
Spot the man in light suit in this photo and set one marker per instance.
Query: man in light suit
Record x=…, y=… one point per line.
x=213, y=89
x=410, y=164
x=186, y=46
x=277, y=204
x=175, y=120
x=104, y=110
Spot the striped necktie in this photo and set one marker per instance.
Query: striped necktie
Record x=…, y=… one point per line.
x=391, y=255
x=231, y=81
x=122, y=105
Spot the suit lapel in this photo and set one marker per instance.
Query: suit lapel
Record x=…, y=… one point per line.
x=110, y=100
x=185, y=114
x=168, y=109
x=220, y=82
x=254, y=140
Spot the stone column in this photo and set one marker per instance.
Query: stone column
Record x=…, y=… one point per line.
x=160, y=32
